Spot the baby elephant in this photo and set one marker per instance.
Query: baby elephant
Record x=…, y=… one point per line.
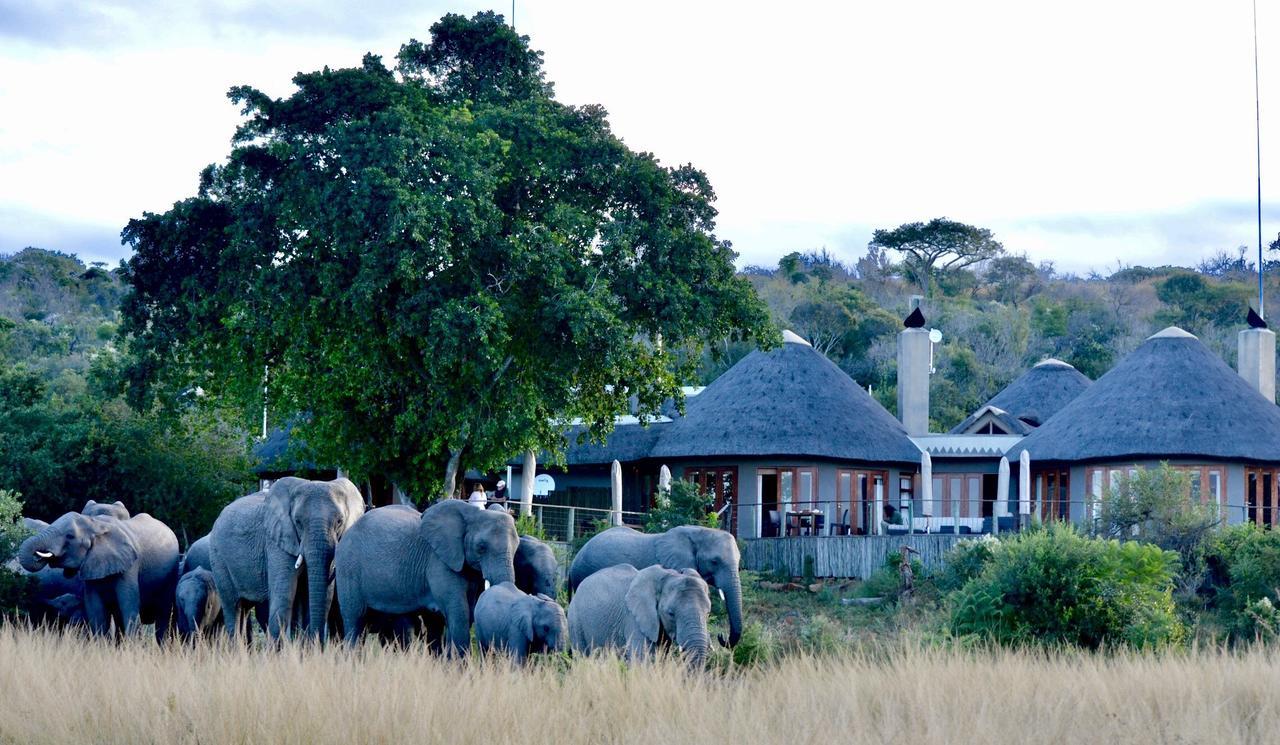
x=509, y=620
x=639, y=610
x=199, y=608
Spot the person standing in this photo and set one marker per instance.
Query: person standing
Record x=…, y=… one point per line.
x=478, y=497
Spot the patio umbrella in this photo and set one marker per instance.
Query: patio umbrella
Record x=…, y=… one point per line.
x=615, y=483
x=664, y=478
x=526, y=482
x=1002, y=489
x=926, y=484
x=1024, y=483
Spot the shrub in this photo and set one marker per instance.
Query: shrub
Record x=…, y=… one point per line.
x=685, y=504
x=529, y=525
x=16, y=589
x=965, y=561
x=1055, y=586
x=1251, y=558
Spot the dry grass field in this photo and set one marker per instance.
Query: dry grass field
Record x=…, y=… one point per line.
x=72, y=690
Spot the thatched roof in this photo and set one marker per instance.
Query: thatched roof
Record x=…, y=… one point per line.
x=281, y=452
x=1029, y=401
x=791, y=401
x=627, y=442
x=1169, y=398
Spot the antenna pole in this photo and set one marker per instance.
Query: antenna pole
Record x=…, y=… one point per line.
x=1257, y=125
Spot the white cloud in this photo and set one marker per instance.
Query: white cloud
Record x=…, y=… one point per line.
x=816, y=122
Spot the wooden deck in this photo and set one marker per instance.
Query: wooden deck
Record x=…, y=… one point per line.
x=841, y=556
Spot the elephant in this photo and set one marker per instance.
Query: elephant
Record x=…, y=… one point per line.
x=58, y=600
x=197, y=556
x=34, y=525
x=712, y=553
x=197, y=604
x=238, y=560
x=638, y=610
x=264, y=540
x=537, y=571
x=129, y=567
x=510, y=620
x=398, y=561
x=96, y=509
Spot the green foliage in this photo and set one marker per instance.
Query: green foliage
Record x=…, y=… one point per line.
x=965, y=561
x=16, y=589
x=1193, y=301
x=437, y=262
x=529, y=525
x=1248, y=559
x=1055, y=586
x=1154, y=505
x=684, y=505
x=940, y=244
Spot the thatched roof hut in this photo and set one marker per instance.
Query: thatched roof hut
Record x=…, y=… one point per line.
x=1029, y=401
x=1170, y=398
x=791, y=401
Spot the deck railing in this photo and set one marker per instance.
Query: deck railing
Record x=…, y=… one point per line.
x=565, y=522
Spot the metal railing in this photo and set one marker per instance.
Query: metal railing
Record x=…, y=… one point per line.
x=565, y=522
x=971, y=517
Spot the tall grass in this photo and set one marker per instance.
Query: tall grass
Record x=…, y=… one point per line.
x=57, y=689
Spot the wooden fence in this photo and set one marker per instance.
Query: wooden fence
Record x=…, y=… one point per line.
x=841, y=556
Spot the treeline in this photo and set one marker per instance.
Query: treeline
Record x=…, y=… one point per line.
x=67, y=434
x=998, y=316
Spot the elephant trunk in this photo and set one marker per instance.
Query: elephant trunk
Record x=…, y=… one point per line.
x=497, y=568
x=318, y=553
x=27, y=552
x=731, y=586
x=693, y=639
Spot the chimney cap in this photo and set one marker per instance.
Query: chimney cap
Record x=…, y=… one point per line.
x=915, y=320
x=1255, y=321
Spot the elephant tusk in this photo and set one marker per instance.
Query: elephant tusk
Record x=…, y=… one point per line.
x=44, y=554
x=298, y=564
x=723, y=641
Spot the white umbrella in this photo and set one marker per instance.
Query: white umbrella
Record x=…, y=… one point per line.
x=615, y=481
x=1002, y=489
x=664, y=479
x=1024, y=483
x=526, y=482
x=926, y=486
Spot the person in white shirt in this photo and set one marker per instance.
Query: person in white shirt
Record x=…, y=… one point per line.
x=478, y=497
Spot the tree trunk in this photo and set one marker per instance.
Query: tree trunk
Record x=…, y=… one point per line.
x=451, y=473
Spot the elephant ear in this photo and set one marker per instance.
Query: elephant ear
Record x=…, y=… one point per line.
x=277, y=513
x=444, y=528
x=351, y=501
x=675, y=549
x=113, y=551
x=642, y=600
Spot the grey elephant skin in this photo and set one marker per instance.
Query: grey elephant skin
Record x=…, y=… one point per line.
x=712, y=553
x=537, y=570
x=397, y=561
x=639, y=611
x=102, y=509
x=58, y=600
x=129, y=567
x=517, y=623
x=261, y=542
x=197, y=556
x=197, y=605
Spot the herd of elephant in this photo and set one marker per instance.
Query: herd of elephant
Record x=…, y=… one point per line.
x=284, y=555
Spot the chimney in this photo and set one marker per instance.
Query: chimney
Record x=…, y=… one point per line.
x=1256, y=356
x=915, y=354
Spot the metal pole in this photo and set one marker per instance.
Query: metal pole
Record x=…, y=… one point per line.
x=1257, y=125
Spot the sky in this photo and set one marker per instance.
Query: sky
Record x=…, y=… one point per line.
x=1093, y=134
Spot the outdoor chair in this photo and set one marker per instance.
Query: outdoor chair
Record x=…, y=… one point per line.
x=842, y=526
x=775, y=523
x=946, y=529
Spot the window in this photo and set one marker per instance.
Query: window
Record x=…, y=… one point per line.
x=1206, y=484
x=1262, y=503
x=1053, y=494
x=721, y=483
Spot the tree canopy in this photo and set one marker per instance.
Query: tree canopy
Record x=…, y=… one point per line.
x=939, y=244
x=438, y=264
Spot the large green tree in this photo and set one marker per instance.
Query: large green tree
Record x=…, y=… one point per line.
x=439, y=264
x=938, y=245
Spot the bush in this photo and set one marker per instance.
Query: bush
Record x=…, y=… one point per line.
x=1054, y=586
x=16, y=589
x=965, y=561
x=1251, y=559
x=685, y=504
x=529, y=525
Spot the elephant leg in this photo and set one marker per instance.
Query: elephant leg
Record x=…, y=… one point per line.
x=282, y=581
x=95, y=611
x=129, y=601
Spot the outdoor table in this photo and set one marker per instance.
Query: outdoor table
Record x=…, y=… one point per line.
x=802, y=520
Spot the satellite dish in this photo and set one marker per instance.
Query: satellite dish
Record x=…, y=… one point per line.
x=935, y=336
